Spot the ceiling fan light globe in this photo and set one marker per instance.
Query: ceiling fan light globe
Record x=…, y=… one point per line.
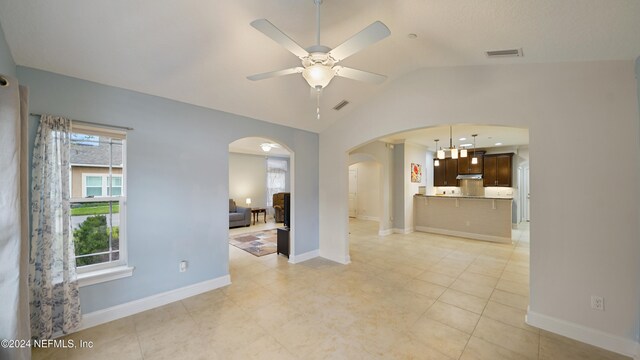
x=318, y=75
x=265, y=147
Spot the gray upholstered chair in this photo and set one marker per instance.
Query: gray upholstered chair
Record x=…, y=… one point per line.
x=238, y=215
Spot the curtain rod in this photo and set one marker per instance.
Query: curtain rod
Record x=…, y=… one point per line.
x=93, y=123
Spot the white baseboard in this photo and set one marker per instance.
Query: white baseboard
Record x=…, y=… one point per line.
x=402, y=231
x=500, y=239
x=385, y=232
x=295, y=259
x=136, y=306
x=584, y=334
x=344, y=260
x=367, y=218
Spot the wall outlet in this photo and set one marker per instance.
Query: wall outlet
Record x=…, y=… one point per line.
x=183, y=266
x=597, y=302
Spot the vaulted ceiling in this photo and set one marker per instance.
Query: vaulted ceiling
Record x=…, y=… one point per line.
x=200, y=52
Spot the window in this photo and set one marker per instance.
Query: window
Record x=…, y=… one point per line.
x=98, y=199
x=97, y=185
x=276, y=177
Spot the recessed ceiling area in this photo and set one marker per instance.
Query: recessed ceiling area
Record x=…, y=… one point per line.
x=488, y=136
x=201, y=52
x=253, y=146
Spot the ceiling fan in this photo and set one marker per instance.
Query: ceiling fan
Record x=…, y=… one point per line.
x=319, y=62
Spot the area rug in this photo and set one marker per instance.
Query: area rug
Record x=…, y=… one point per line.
x=257, y=243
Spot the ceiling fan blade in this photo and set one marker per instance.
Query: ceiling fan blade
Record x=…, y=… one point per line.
x=270, y=74
x=359, y=75
x=267, y=28
x=369, y=35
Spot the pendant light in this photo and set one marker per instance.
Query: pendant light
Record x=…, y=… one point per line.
x=474, y=159
x=436, y=162
x=453, y=149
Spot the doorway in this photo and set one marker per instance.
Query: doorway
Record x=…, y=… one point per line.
x=260, y=174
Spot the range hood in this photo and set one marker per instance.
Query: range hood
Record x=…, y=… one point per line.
x=469, y=177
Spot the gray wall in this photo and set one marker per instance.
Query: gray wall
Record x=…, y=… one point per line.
x=7, y=65
x=177, y=181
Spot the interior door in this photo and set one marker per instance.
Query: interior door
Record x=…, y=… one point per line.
x=353, y=192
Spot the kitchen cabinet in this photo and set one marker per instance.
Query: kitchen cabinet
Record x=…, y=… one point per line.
x=446, y=173
x=497, y=170
x=465, y=166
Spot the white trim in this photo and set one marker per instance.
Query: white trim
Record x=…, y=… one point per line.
x=367, y=218
x=96, y=166
x=402, y=231
x=385, y=232
x=296, y=259
x=136, y=306
x=104, y=275
x=500, y=239
x=584, y=334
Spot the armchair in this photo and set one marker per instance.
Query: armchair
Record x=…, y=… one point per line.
x=278, y=207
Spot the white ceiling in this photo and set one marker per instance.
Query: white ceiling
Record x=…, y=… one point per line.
x=251, y=145
x=200, y=52
x=488, y=136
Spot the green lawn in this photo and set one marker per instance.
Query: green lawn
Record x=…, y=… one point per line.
x=94, y=210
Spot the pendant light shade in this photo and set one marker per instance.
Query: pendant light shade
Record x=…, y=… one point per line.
x=454, y=153
x=436, y=162
x=463, y=153
x=474, y=160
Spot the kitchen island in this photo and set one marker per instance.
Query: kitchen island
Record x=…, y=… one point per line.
x=473, y=217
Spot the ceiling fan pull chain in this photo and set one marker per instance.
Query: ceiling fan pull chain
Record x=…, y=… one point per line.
x=318, y=102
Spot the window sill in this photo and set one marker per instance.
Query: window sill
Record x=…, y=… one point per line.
x=100, y=276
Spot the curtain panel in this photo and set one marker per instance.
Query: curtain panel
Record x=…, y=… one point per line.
x=14, y=239
x=53, y=285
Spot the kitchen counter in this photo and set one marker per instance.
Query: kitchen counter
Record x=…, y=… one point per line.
x=473, y=217
x=468, y=197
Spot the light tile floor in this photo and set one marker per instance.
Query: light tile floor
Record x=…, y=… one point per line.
x=415, y=296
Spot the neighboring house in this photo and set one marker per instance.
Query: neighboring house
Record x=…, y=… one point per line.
x=90, y=167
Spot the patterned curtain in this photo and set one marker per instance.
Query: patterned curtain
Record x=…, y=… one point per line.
x=53, y=286
x=276, y=178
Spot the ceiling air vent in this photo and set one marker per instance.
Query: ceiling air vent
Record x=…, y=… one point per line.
x=504, y=53
x=340, y=105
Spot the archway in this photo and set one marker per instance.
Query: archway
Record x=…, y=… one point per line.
x=400, y=151
x=261, y=171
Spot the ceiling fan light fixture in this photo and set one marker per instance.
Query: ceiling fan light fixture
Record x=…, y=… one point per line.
x=318, y=75
x=265, y=147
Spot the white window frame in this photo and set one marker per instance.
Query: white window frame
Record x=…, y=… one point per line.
x=107, y=271
x=105, y=183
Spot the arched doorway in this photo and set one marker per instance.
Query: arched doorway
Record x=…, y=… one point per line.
x=260, y=178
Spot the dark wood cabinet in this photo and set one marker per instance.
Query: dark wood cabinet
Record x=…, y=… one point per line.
x=498, y=170
x=465, y=166
x=451, y=172
x=439, y=174
x=283, y=241
x=445, y=174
